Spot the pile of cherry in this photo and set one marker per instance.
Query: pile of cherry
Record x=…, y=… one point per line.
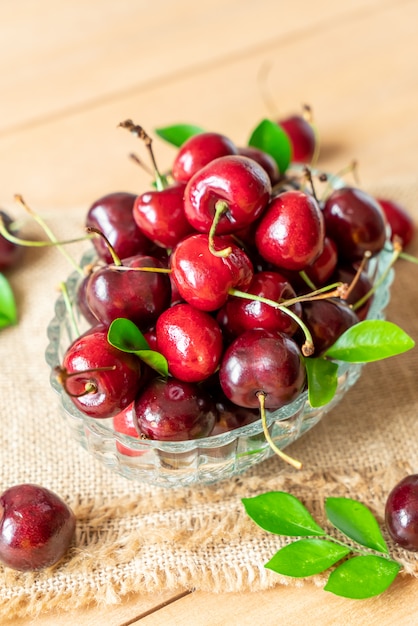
x=215, y=283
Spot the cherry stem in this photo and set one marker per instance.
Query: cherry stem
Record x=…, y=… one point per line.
x=361, y=267
x=90, y=387
x=307, y=280
x=138, y=161
x=158, y=270
x=221, y=207
x=69, y=309
x=397, y=251
x=308, y=117
x=285, y=457
x=96, y=232
x=140, y=132
x=308, y=174
x=308, y=346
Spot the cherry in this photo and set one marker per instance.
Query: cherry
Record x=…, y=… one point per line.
x=401, y=512
x=239, y=314
x=100, y=379
x=262, y=361
x=302, y=137
x=203, y=279
x=264, y=159
x=160, y=215
x=36, y=527
x=191, y=341
x=112, y=215
x=10, y=252
x=117, y=291
x=400, y=221
x=291, y=232
x=356, y=222
x=198, y=151
x=125, y=423
x=234, y=188
x=174, y=410
x=327, y=320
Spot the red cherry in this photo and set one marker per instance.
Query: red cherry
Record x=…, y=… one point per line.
x=101, y=380
x=356, y=222
x=291, y=232
x=240, y=183
x=191, y=341
x=400, y=221
x=112, y=216
x=198, y=151
x=125, y=423
x=203, y=279
x=302, y=138
x=160, y=215
x=327, y=320
x=401, y=513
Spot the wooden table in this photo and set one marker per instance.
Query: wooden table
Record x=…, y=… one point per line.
x=71, y=71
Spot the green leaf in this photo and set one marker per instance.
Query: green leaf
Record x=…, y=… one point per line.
x=281, y=513
x=370, y=340
x=322, y=380
x=306, y=557
x=8, y=309
x=177, y=134
x=356, y=521
x=126, y=336
x=362, y=577
x=271, y=138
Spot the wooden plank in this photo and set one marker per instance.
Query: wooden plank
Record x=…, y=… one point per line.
x=363, y=111
x=60, y=57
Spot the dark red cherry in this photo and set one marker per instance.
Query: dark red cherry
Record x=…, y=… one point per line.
x=261, y=361
x=190, y=340
x=302, y=138
x=361, y=287
x=203, y=279
x=125, y=423
x=240, y=183
x=240, y=314
x=400, y=221
x=10, y=253
x=356, y=223
x=264, y=159
x=160, y=215
x=291, y=232
x=401, y=513
x=174, y=410
x=112, y=215
x=327, y=320
x=100, y=380
x=198, y=151
x=140, y=296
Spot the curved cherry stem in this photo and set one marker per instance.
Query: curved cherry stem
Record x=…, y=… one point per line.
x=90, y=387
x=221, y=207
x=96, y=232
x=140, y=132
x=261, y=395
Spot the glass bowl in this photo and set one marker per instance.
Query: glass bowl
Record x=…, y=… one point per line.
x=201, y=461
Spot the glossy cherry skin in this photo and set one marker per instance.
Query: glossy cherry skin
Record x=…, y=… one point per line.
x=264, y=159
x=401, y=513
x=327, y=320
x=203, y=279
x=240, y=314
x=191, y=341
x=356, y=223
x=302, y=138
x=238, y=181
x=36, y=527
x=400, y=221
x=112, y=215
x=100, y=379
x=262, y=361
x=10, y=253
x=291, y=232
x=174, y=410
x=198, y=151
x=160, y=215
x=125, y=423
x=137, y=295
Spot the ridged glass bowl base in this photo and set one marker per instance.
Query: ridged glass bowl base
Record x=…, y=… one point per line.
x=201, y=461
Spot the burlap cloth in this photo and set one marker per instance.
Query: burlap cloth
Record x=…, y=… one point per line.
x=134, y=538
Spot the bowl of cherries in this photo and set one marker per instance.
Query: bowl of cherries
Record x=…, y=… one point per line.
x=219, y=315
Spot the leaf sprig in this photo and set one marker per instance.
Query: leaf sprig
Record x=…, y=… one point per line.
x=362, y=567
